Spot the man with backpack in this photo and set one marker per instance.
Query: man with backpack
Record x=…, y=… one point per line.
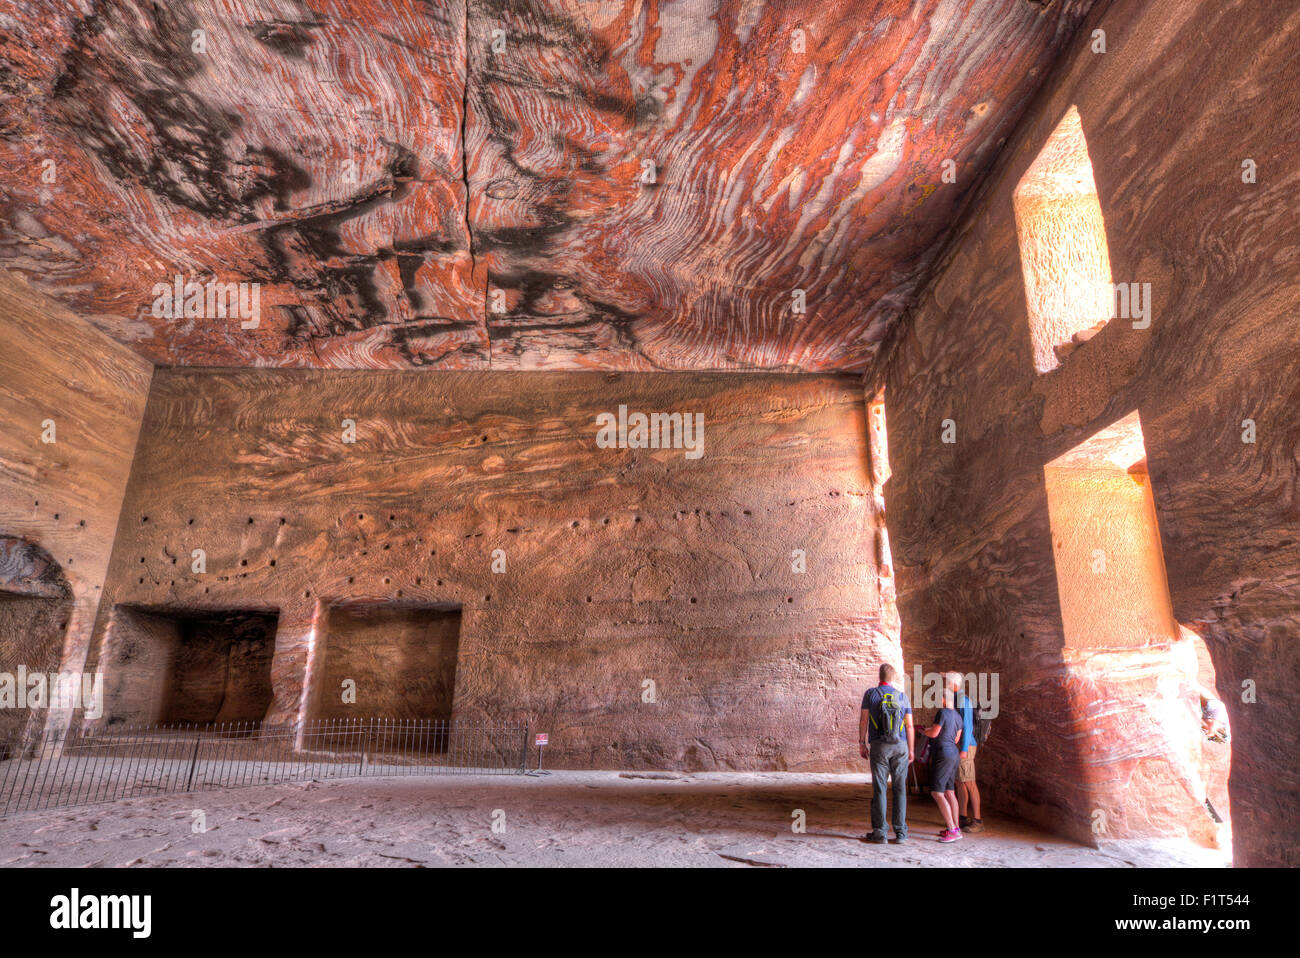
x=974, y=730
x=886, y=737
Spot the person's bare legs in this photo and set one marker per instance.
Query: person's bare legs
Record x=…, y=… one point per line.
x=968, y=793
x=945, y=809
x=951, y=799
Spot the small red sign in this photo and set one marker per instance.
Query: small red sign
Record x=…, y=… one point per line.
x=543, y=738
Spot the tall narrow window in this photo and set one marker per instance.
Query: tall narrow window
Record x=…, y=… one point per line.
x=878, y=451
x=1110, y=568
x=1063, y=252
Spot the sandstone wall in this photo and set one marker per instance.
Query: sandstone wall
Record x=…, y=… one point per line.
x=59, y=500
x=1182, y=96
x=620, y=565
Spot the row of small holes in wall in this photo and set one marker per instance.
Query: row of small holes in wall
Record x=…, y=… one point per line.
x=575, y=524
x=515, y=529
x=393, y=517
x=144, y=520
x=400, y=593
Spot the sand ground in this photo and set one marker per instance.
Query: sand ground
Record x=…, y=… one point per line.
x=560, y=819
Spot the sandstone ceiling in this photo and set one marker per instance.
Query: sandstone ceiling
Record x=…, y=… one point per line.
x=614, y=184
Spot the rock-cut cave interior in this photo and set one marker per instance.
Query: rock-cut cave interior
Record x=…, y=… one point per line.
x=588, y=397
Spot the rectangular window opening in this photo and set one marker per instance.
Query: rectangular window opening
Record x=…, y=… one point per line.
x=1110, y=569
x=1063, y=251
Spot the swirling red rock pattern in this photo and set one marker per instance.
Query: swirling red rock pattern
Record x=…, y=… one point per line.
x=1088, y=738
x=619, y=184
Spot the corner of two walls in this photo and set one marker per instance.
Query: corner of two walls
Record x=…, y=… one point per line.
x=72, y=405
x=1181, y=98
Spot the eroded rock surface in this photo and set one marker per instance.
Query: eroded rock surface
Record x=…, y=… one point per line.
x=546, y=184
x=646, y=609
x=1088, y=739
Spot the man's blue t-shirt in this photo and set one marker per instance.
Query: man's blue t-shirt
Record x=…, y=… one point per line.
x=967, y=721
x=872, y=698
x=949, y=722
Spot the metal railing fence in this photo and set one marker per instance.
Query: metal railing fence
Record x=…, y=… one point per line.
x=83, y=766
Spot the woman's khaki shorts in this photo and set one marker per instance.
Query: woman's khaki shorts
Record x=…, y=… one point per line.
x=966, y=769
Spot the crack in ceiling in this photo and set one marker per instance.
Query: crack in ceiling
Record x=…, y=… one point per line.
x=534, y=184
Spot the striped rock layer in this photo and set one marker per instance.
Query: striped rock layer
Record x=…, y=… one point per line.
x=700, y=184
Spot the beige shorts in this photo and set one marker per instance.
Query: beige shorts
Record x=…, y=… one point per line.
x=966, y=768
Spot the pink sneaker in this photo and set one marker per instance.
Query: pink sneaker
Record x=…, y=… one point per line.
x=952, y=835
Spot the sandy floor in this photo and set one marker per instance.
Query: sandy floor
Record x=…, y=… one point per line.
x=564, y=818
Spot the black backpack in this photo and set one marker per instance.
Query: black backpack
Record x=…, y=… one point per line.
x=981, y=727
x=887, y=718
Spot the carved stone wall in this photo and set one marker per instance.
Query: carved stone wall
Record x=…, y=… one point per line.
x=642, y=605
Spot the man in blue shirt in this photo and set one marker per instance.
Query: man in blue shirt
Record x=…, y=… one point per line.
x=886, y=737
x=968, y=793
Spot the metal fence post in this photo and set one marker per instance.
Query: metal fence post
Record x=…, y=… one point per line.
x=365, y=744
x=194, y=758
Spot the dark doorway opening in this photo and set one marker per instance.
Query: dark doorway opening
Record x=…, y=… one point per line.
x=35, y=608
x=32, y=630
x=386, y=661
x=183, y=666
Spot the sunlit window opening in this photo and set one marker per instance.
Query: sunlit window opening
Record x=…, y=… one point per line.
x=1063, y=251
